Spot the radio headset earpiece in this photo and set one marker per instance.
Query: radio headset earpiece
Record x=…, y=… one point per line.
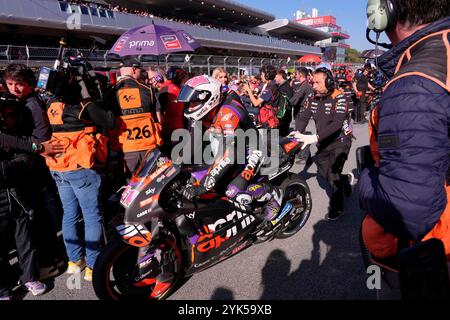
x=381, y=16
x=329, y=81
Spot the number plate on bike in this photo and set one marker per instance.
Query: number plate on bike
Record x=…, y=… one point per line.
x=128, y=196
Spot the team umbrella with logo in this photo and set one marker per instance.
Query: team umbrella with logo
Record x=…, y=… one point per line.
x=153, y=40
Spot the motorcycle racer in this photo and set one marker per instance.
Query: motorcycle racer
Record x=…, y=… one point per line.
x=223, y=115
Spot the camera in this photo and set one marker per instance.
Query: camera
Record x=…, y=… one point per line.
x=61, y=80
x=8, y=105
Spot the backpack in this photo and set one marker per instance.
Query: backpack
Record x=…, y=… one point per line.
x=267, y=116
x=283, y=105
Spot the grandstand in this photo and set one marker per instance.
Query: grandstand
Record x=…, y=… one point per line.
x=231, y=34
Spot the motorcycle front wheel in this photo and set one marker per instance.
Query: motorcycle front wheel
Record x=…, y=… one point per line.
x=115, y=269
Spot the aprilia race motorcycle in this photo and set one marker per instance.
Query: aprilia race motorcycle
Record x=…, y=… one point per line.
x=162, y=238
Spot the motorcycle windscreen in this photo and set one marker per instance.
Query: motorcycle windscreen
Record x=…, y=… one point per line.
x=148, y=164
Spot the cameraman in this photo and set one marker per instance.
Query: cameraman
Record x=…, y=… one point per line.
x=77, y=122
x=15, y=211
x=32, y=122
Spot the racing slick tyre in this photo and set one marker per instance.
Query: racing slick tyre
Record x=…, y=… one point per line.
x=296, y=191
x=116, y=268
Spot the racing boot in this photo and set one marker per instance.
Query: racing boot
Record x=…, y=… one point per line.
x=274, y=205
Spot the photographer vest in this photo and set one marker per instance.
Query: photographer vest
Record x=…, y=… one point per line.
x=83, y=146
x=428, y=58
x=136, y=128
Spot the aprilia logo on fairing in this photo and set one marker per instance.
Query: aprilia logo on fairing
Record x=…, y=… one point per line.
x=215, y=242
x=231, y=232
x=220, y=166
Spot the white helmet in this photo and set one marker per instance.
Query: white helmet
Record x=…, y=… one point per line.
x=202, y=94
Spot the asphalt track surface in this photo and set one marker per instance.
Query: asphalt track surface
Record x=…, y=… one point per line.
x=322, y=261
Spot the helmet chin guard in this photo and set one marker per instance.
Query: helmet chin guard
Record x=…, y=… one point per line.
x=201, y=94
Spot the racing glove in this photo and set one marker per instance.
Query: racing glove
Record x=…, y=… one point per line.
x=307, y=139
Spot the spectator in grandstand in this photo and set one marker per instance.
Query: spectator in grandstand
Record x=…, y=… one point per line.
x=32, y=121
x=284, y=107
x=15, y=211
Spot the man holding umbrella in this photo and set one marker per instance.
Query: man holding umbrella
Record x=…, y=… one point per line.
x=135, y=103
x=135, y=107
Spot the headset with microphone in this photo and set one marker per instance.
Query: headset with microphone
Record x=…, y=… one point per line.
x=329, y=81
x=381, y=16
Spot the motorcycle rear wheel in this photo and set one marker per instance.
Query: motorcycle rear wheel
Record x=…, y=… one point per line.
x=296, y=191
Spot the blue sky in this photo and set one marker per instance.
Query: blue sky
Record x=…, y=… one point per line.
x=350, y=14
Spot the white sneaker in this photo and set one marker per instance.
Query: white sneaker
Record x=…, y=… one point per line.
x=76, y=267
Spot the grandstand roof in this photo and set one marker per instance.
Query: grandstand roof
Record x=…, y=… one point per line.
x=287, y=28
x=222, y=11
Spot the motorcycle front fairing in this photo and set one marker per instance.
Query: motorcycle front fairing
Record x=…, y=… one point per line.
x=141, y=197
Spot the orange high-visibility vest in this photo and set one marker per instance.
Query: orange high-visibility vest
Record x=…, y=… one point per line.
x=136, y=128
x=83, y=146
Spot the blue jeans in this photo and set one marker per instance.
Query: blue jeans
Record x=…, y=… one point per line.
x=80, y=189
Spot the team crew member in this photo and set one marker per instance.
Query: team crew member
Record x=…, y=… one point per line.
x=171, y=110
x=286, y=92
x=328, y=107
x=407, y=193
x=361, y=84
x=135, y=106
x=302, y=89
x=75, y=119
